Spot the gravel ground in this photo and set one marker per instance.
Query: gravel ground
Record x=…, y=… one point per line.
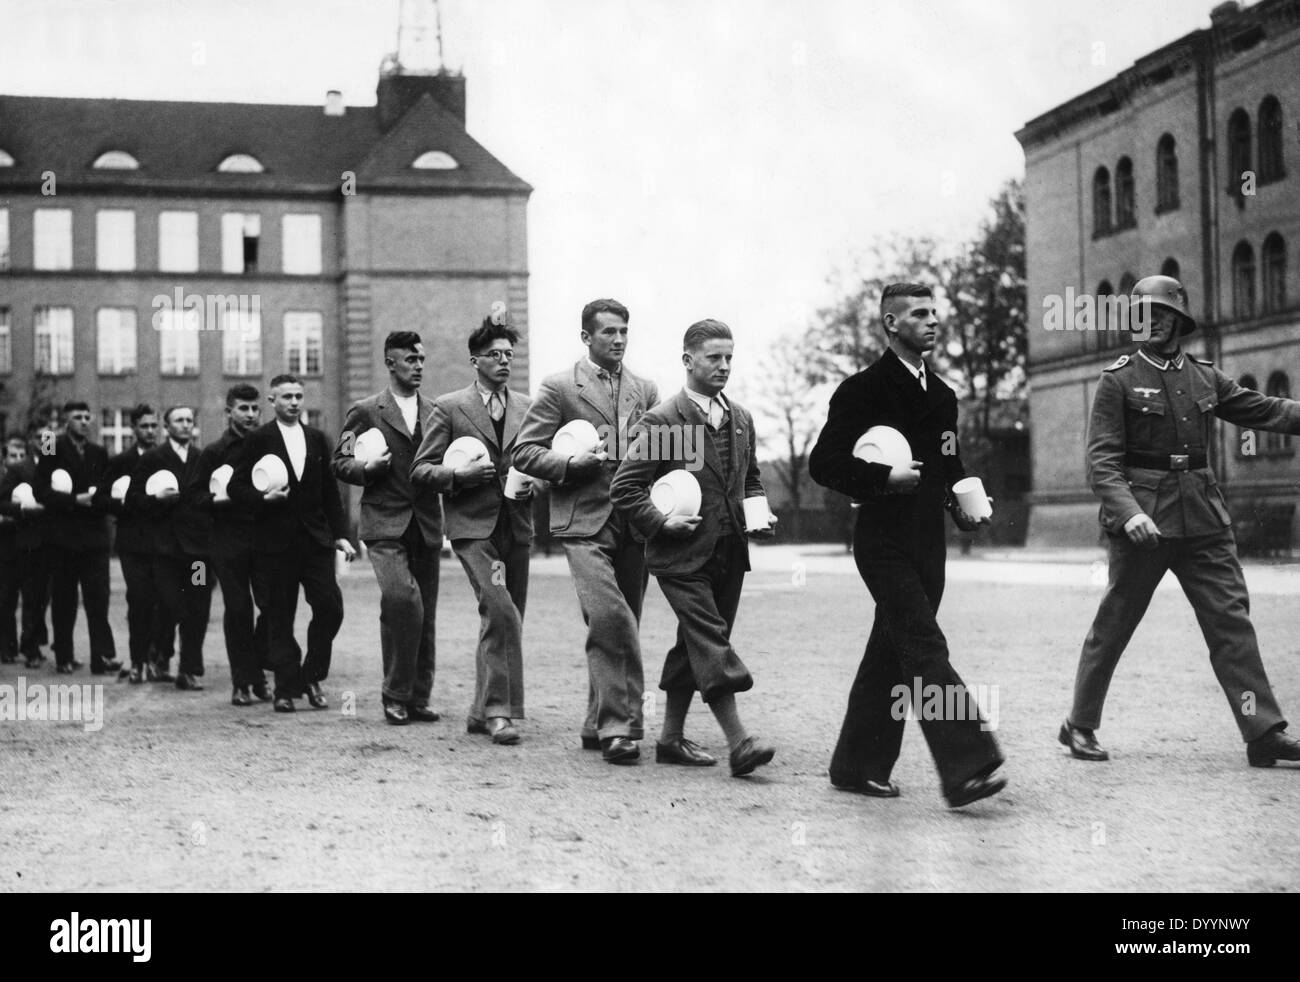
x=181, y=791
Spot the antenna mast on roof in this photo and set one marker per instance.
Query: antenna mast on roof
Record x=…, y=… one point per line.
x=419, y=38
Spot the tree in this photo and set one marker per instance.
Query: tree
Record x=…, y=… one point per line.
x=791, y=405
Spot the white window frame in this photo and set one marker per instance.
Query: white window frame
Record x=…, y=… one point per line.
x=178, y=342
x=117, y=435
x=235, y=227
x=115, y=340
x=178, y=241
x=115, y=239
x=300, y=239
x=241, y=342
x=6, y=341
x=299, y=328
x=52, y=238
x=57, y=341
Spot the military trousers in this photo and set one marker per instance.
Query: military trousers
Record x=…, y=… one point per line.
x=1211, y=577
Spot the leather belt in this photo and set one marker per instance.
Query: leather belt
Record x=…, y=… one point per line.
x=1167, y=462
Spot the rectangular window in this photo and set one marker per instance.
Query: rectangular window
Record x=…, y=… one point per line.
x=115, y=239
x=116, y=329
x=241, y=342
x=314, y=418
x=52, y=231
x=301, y=235
x=178, y=341
x=115, y=430
x=240, y=238
x=6, y=343
x=178, y=241
x=53, y=329
x=302, y=342
x=4, y=238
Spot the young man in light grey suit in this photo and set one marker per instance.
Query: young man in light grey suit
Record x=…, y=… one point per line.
x=401, y=525
x=701, y=560
x=490, y=533
x=605, y=556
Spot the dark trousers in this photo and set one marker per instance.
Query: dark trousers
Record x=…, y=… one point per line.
x=183, y=586
x=1210, y=575
x=89, y=570
x=247, y=647
x=276, y=578
x=610, y=577
x=407, y=570
x=34, y=586
x=144, y=616
x=10, y=580
x=705, y=603
x=906, y=646
x=497, y=568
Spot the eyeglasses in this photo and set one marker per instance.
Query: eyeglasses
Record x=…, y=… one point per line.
x=497, y=355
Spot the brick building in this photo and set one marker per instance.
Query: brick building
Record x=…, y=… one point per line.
x=1144, y=174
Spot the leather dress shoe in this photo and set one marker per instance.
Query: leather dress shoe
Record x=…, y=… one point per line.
x=105, y=668
x=241, y=697
x=34, y=661
x=476, y=726
x=188, y=682
x=503, y=731
x=315, y=698
x=283, y=704
x=422, y=714
x=124, y=673
x=590, y=743
x=620, y=750
x=974, y=789
x=872, y=789
x=262, y=691
x=1273, y=746
x=137, y=675
x=68, y=667
x=749, y=755
x=1082, y=743
x=684, y=752
x=159, y=673
x=395, y=712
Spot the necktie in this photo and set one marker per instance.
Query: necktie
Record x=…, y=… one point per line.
x=920, y=379
x=716, y=413
x=496, y=407
x=609, y=381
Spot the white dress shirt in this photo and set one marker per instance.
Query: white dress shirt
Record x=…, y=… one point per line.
x=714, y=408
x=181, y=450
x=410, y=407
x=295, y=441
x=918, y=372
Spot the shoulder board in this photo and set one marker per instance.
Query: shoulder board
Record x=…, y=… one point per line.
x=1119, y=362
x=1200, y=361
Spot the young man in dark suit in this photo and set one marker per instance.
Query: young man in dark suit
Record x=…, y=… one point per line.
x=177, y=534
x=231, y=552
x=401, y=525
x=30, y=569
x=606, y=558
x=490, y=533
x=11, y=470
x=80, y=542
x=131, y=542
x=700, y=561
x=296, y=530
x=900, y=552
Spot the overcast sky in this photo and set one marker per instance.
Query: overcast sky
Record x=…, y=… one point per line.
x=693, y=158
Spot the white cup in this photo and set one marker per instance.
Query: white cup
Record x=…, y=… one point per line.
x=972, y=499
x=516, y=483
x=757, y=515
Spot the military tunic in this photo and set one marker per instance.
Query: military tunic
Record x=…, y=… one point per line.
x=1149, y=438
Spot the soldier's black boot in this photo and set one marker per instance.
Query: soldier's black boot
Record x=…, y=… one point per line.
x=1082, y=743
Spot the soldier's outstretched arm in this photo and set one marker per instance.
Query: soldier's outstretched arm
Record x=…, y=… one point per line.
x=1248, y=408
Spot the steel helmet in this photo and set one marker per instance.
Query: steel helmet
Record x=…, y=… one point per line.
x=1167, y=292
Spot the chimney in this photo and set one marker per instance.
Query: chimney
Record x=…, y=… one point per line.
x=334, y=103
x=399, y=91
x=1224, y=12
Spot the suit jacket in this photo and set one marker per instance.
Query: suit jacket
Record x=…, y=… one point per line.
x=313, y=506
x=389, y=500
x=28, y=529
x=1142, y=408
x=579, y=508
x=173, y=526
x=131, y=533
x=723, y=490
x=232, y=524
x=73, y=527
x=472, y=512
x=887, y=394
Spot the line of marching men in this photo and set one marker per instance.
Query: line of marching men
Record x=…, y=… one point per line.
x=259, y=511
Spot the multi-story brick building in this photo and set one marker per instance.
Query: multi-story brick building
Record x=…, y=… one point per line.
x=325, y=227
x=1185, y=163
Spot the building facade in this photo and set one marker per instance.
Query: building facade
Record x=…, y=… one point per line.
x=1186, y=164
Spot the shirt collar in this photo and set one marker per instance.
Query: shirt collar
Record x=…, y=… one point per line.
x=287, y=427
x=486, y=394
x=596, y=369
x=704, y=401
x=914, y=370
x=1163, y=364
x=178, y=450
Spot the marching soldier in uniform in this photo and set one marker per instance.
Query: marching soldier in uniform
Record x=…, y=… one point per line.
x=1161, y=508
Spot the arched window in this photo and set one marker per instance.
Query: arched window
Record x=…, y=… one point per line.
x=240, y=163
x=1273, y=267
x=1166, y=174
x=1107, y=336
x=1271, y=165
x=116, y=160
x=1238, y=149
x=1280, y=386
x=1101, y=202
x=1170, y=268
x=435, y=160
x=1243, y=281
x=1125, y=203
x=1248, y=381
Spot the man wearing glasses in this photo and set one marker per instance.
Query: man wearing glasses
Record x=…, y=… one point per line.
x=490, y=533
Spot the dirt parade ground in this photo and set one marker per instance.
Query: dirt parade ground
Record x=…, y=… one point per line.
x=182, y=791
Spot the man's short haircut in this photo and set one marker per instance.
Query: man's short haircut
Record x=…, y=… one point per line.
x=243, y=392
x=401, y=340
x=285, y=378
x=14, y=438
x=605, y=306
x=140, y=411
x=74, y=406
x=894, y=290
x=488, y=332
x=167, y=416
x=705, y=330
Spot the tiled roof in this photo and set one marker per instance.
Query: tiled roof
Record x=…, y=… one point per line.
x=180, y=144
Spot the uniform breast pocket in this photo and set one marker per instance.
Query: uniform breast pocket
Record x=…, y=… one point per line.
x=1145, y=490
x=1206, y=404
x=1144, y=418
